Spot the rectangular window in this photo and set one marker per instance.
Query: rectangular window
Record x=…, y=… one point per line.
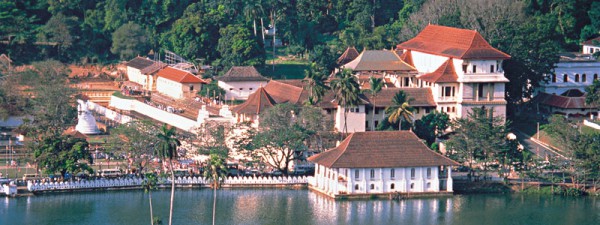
x=474, y=69
x=372, y=173
x=427, y=110
x=376, y=111
x=356, y=174
x=393, y=173
x=491, y=68
x=376, y=123
x=417, y=110
x=412, y=173
x=428, y=173
x=480, y=90
x=367, y=125
x=464, y=67
x=251, y=89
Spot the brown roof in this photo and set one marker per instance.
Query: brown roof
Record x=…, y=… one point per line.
x=257, y=102
x=407, y=58
x=350, y=54
x=443, y=74
x=454, y=43
x=381, y=149
x=593, y=42
x=145, y=65
x=179, y=75
x=563, y=102
x=421, y=97
x=242, y=73
x=285, y=91
x=71, y=131
x=378, y=60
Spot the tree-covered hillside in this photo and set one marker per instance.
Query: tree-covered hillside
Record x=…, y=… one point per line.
x=228, y=32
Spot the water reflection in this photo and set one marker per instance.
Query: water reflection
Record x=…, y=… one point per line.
x=283, y=206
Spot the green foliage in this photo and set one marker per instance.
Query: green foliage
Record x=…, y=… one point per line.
x=592, y=96
x=135, y=139
x=315, y=79
x=63, y=154
x=238, y=47
x=400, y=110
x=346, y=89
x=166, y=147
x=212, y=90
x=215, y=170
x=431, y=126
x=129, y=40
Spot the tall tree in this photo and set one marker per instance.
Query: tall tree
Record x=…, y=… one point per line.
x=149, y=183
x=63, y=154
x=315, y=79
x=135, y=139
x=376, y=84
x=216, y=172
x=400, y=109
x=167, y=150
x=479, y=136
x=346, y=90
x=431, y=126
x=239, y=48
x=129, y=40
x=592, y=97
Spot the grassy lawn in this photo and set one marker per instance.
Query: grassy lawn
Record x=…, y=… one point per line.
x=284, y=71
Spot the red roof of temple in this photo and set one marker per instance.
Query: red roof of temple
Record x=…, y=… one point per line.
x=350, y=54
x=256, y=103
x=454, y=43
x=179, y=76
x=444, y=74
x=407, y=58
x=381, y=149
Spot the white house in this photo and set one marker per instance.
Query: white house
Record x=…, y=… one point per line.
x=241, y=81
x=143, y=72
x=591, y=46
x=383, y=162
x=461, y=68
x=177, y=83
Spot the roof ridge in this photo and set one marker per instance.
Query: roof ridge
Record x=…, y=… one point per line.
x=345, y=142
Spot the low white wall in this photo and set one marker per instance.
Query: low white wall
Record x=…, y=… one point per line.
x=154, y=113
x=133, y=182
x=112, y=115
x=591, y=124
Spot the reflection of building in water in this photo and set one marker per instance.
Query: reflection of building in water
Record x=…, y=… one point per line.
x=390, y=162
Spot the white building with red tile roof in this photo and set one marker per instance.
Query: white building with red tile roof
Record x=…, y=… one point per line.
x=462, y=69
x=177, y=83
x=143, y=72
x=384, y=162
x=241, y=81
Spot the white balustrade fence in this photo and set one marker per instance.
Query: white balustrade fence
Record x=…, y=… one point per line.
x=137, y=182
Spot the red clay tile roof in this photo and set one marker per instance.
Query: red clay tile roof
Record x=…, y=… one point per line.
x=443, y=74
x=285, y=91
x=179, y=76
x=242, y=73
x=593, y=42
x=454, y=43
x=378, y=60
x=381, y=149
x=257, y=102
x=350, y=54
x=421, y=97
x=563, y=102
x=407, y=58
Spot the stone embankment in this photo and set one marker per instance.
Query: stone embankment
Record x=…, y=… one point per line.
x=181, y=182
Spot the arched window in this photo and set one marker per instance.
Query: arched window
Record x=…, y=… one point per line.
x=356, y=187
x=576, y=77
x=565, y=78
x=372, y=186
x=553, y=78
x=583, y=78
x=412, y=185
x=392, y=186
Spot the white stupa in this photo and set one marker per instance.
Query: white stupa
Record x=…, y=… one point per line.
x=87, y=122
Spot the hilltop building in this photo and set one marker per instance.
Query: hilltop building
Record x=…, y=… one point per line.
x=177, y=83
x=241, y=81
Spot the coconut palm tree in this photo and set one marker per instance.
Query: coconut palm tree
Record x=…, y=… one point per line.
x=252, y=10
x=148, y=184
x=376, y=86
x=216, y=172
x=167, y=149
x=346, y=90
x=315, y=82
x=400, y=109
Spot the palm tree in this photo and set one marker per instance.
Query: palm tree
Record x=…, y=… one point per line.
x=400, y=109
x=148, y=184
x=252, y=10
x=167, y=149
x=216, y=172
x=315, y=82
x=376, y=85
x=346, y=91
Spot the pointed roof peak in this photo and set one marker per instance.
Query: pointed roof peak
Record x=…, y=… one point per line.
x=443, y=74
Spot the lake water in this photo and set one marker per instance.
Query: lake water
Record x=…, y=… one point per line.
x=286, y=206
